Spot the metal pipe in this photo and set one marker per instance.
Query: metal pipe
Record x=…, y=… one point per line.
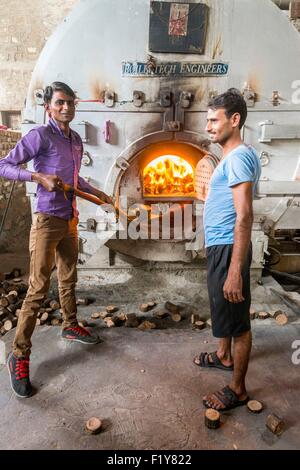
x=282, y=4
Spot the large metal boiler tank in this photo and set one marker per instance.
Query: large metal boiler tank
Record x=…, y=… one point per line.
x=144, y=71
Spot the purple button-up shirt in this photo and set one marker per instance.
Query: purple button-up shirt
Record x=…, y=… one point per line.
x=54, y=154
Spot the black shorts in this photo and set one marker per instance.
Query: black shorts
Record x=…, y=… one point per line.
x=228, y=319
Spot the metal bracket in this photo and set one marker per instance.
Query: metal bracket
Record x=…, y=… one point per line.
x=165, y=99
x=109, y=98
x=271, y=131
x=138, y=98
x=122, y=163
x=86, y=158
x=91, y=225
x=249, y=96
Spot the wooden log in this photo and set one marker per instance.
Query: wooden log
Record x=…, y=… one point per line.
x=208, y=322
x=14, y=293
x=93, y=425
x=82, y=301
x=254, y=406
x=275, y=424
x=173, y=308
x=15, y=273
x=4, y=302
x=38, y=322
x=17, y=312
x=109, y=322
x=111, y=309
x=147, y=325
x=131, y=320
x=82, y=323
x=176, y=317
x=263, y=315
x=44, y=317
x=212, y=419
x=117, y=321
x=104, y=315
x=122, y=317
x=281, y=318
x=252, y=313
x=161, y=313
x=4, y=313
x=54, y=305
x=2, y=331
x=95, y=315
x=200, y=325
x=195, y=317
x=144, y=307
x=55, y=322
x=152, y=304
x=10, y=324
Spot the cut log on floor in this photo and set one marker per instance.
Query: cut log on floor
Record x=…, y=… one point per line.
x=122, y=317
x=275, y=424
x=95, y=315
x=54, y=305
x=109, y=322
x=161, y=313
x=44, y=317
x=195, y=317
x=144, y=307
x=252, y=313
x=208, y=322
x=82, y=323
x=10, y=324
x=176, y=317
x=173, y=308
x=82, y=301
x=93, y=425
x=111, y=309
x=103, y=315
x=152, y=304
x=16, y=272
x=55, y=322
x=254, y=406
x=117, y=320
x=14, y=293
x=147, y=325
x=263, y=315
x=200, y=325
x=212, y=419
x=131, y=320
x=4, y=302
x=281, y=318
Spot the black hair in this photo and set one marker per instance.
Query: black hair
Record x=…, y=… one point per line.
x=57, y=86
x=233, y=102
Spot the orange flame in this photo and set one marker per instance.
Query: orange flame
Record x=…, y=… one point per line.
x=168, y=175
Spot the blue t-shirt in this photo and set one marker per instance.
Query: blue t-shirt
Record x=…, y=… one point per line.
x=239, y=166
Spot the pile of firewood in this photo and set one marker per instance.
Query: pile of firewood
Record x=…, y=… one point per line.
x=12, y=293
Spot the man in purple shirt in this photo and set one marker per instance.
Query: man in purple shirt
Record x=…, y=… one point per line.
x=56, y=151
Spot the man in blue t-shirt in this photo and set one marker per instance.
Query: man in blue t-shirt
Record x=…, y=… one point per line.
x=228, y=219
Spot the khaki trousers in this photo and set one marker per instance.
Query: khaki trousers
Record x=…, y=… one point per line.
x=52, y=241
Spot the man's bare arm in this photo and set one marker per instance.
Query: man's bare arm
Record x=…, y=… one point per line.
x=243, y=203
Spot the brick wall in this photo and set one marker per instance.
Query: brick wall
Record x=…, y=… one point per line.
x=15, y=233
x=25, y=27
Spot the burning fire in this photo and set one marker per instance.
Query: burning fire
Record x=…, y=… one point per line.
x=168, y=174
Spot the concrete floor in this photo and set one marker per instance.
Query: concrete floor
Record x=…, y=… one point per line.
x=147, y=391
